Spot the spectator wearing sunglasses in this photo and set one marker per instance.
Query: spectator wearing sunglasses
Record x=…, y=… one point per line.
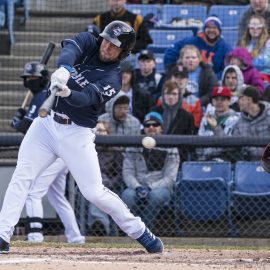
x=149, y=174
x=257, y=41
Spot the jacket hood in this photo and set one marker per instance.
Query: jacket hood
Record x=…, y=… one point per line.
x=111, y=103
x=242, y=54
x=239, y=74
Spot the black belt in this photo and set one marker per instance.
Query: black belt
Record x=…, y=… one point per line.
x=61, y=120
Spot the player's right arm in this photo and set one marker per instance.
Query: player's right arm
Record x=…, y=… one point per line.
x=73, y=50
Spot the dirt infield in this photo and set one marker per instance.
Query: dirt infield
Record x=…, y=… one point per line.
x=63, y=257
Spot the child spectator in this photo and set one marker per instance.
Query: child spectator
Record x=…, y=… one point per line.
x=232, y=78
x=242, y=58
x=201, y=77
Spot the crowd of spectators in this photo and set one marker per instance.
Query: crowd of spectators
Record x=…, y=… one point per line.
x=208, y=88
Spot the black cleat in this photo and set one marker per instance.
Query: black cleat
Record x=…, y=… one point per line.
x=151, y=243
x=4, y=246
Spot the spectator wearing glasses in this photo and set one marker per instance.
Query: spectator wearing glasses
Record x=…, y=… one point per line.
x=190, y=102
x=149, y=174
x=176, y=120
x=257, y=41
x=259, y=7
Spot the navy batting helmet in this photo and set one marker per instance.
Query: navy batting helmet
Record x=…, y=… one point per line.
x=38, y=70
x=121, y=35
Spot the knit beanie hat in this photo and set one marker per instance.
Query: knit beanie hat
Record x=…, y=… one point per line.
x=212, y=21
x=155, y=116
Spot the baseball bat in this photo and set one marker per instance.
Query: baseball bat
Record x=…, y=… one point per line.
x=48, y=103
x=44, y=60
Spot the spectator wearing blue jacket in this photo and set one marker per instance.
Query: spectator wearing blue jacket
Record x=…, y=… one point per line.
x=210, y=43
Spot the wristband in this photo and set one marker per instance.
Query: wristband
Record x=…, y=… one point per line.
x=69, y=68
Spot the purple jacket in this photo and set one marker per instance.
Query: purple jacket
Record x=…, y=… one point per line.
x=251, y=75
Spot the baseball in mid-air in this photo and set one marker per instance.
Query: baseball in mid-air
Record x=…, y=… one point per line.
x=148, y=142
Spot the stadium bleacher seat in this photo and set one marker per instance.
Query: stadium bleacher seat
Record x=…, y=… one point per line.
x=166, y=38
x=230, y=36
x=251, y=193
x=144, y=9
x=202, y=193
x=183, y=12
x=229, y=15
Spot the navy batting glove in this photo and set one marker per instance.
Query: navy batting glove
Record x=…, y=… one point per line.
x=18, y=116
x=142, y=192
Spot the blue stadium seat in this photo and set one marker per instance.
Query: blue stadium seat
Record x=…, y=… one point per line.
x=183, y=12
x=229, y=15
x=230, y=36
x=159, y=62
x=251, y=194
x=144, y=9
x=166, y=38
x=202, y=193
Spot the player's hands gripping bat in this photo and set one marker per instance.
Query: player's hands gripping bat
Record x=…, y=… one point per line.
x=44, y=60
x=58, y=83
x=265, y=161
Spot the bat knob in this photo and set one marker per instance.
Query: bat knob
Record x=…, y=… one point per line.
x=43, y=113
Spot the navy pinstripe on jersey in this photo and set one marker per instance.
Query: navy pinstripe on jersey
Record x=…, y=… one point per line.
x=92, y=82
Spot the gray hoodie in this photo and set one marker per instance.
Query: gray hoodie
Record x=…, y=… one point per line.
x=240, y=81
x=131, y=126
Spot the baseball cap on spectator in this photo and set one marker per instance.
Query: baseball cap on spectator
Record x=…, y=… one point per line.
x=155, y=116
x=212, y=21
x=221, y=91
x=146, y=54
x=180, y=72
x=251, y=91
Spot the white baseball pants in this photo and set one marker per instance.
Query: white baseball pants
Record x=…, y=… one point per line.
x=53, y=183
x=44, y=142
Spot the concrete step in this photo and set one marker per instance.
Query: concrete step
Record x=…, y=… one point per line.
x=20, y=60
x=5, y=126
x=11, y=86
x=31, y=36
x=69, y=6
x=12, y=98
x=32, y=48
x=12, y=74
x=7, y=112
x=58, y=24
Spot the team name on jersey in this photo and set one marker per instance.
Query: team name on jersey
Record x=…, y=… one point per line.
x=79, y=78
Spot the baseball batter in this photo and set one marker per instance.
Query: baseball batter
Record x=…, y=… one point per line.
x=53, y=180
x=87, y=77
